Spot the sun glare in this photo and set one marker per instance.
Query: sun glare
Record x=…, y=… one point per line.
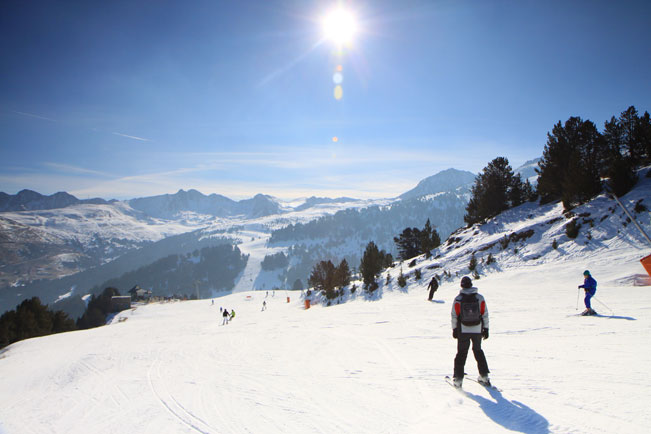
x=340, y=26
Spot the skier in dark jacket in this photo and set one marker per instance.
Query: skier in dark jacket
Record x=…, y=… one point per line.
x=590, y=288
x=225, y=315
x=467, y=304
x=433, y=286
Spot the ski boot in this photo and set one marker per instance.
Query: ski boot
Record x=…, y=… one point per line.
x=457, y=381
x=484, y=380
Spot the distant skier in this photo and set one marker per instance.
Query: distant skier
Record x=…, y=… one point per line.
x=232, y=314
x=225, y=315
x=469, y=323
x=433, y=286
x=264, y=305
x=590, y=288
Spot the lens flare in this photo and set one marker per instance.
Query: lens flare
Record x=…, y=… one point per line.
x=337, y=78
x=339, y=92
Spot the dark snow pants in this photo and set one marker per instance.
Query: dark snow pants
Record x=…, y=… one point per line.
x=588, y=296
x=463, y=344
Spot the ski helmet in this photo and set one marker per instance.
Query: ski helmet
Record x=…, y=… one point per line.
x=586, y=273
x=466, y=282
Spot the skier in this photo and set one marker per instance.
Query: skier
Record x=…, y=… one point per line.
x=264, y=305
x=469, y=323
x=225, y=315
x=590, y=288
x=232, y=314
x=433, y=286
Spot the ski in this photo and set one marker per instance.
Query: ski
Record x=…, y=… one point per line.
x=449, y=381
x=593, y=314
x=487, y=386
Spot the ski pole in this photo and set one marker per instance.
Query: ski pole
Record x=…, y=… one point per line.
x=604, y=305
x=578, y=293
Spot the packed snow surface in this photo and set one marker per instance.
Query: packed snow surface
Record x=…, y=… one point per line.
x=365, y=366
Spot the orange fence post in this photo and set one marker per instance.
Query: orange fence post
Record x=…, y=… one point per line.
x=287, y=299
x=646, y=263
x=307, y=303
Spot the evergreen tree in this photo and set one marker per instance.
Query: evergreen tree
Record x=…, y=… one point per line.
x=323, y=278
x=516, y=191
x=98, y=309
x=298, y=285
x=402, y=280
x=31, y=319
x=496, y=189
x=409, y=243
x=569, y=168
x=342, y=274
x=413, y=241
x=371, y=265
x=621, y=176
x=429, y=239
x=633, y=147
x=643, y=134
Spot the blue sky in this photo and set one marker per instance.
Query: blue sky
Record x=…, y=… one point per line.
x=134, y=98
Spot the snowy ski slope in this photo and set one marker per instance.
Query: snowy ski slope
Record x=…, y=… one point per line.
x=359, y=367
x=371, y=365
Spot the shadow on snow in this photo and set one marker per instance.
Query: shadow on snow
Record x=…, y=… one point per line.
x=512, y=415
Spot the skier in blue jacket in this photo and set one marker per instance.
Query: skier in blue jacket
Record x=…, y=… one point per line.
x=590, y=288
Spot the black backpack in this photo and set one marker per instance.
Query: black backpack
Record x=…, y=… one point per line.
x=470, y=314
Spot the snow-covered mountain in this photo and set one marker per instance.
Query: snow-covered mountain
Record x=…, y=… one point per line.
x=170, y=206
x=449, y=180
x=53, y=243
x=30, y=200
x=528, y=171
x=374, y=362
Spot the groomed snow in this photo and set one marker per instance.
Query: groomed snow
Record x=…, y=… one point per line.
x=359, y=367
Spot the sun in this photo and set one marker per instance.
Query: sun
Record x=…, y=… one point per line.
x=340, y=26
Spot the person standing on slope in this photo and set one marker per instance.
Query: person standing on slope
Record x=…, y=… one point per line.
x=469, y=323
x=590, y=288
x=433, y=286
x=225, y=315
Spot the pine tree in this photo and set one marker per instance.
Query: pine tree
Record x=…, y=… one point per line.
x=569, y=168
x=371, y=265
x=429, y=239
x=632, y=146
x=31, y=319
x=495, y=190
x=643, y=134
x=413, y=241
x=323, y=277
x=402, y=280
x=409, y=243
x=343, y=274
